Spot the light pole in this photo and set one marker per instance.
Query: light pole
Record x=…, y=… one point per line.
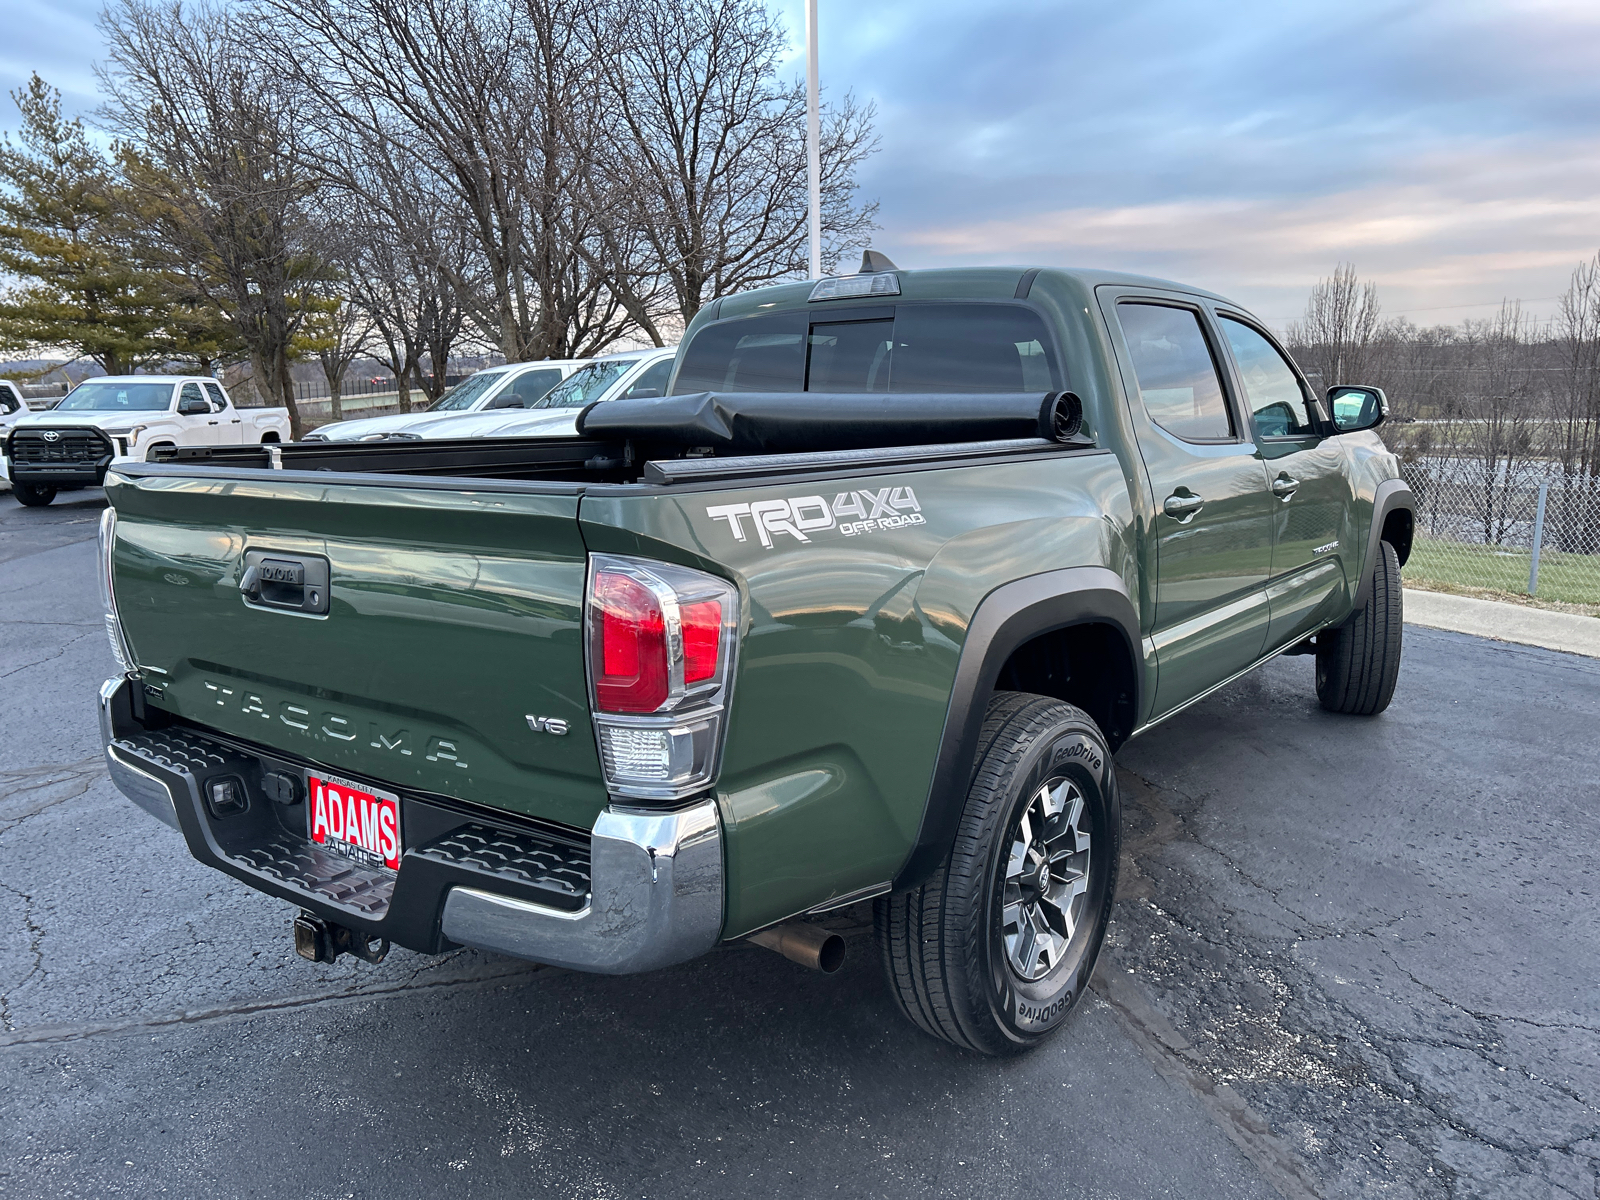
x=813, y=143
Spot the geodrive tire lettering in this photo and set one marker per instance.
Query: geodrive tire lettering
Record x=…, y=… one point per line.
x=950, y=953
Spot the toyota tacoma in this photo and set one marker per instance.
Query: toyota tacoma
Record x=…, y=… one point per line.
x=860, y=610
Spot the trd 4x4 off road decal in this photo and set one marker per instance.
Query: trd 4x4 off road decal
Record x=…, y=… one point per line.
x=851, y=513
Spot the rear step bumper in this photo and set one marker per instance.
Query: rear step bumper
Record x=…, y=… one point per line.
x=646, y=892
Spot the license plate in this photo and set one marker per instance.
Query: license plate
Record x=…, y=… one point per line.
x=358, y=822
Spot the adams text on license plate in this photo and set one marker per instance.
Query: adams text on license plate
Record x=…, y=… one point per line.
x=359, y=822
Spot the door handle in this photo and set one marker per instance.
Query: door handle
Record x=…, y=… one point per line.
x=1182, y=507
x=211, y=422
x=1284, y=486
x=235, y=421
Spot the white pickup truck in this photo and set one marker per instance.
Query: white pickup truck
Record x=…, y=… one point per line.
x=123, y=418
x=12, y=405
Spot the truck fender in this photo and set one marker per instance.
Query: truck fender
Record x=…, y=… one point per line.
x=1007, y=617
x=1392, y=496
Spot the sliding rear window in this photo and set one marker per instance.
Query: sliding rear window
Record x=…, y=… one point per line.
x=922, y=348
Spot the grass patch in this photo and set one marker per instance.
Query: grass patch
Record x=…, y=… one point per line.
x=1566, y=578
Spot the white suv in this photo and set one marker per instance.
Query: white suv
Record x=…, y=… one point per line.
x=513, y=386
x=632, y=373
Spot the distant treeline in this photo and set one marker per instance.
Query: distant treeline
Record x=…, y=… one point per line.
x=1509, y=398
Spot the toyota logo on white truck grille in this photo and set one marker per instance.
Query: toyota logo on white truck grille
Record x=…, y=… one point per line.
x=50, y=435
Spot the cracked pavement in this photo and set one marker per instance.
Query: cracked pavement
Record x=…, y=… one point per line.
x=1349, y=958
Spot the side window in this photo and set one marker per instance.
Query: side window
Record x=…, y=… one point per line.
x=8, y=400
x=652, y=381
x=218, y=401
x=191, y=391
x=1177, y=375
x=754, y=354
x=526, y=388
x=1271, y=387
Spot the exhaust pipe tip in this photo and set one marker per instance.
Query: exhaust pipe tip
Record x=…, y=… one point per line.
x=809, y=945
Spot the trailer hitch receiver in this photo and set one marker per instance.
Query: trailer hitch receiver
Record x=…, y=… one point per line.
x=322, y=941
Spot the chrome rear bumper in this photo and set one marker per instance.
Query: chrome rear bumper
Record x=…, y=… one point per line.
x=655, y=899
x=655, y=878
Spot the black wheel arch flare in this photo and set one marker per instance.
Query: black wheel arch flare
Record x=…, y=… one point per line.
x=1008, y=618
x=1394, y=515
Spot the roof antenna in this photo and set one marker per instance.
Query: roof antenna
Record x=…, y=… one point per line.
x=875, y=262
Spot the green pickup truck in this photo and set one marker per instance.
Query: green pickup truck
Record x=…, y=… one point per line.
x=859, y=611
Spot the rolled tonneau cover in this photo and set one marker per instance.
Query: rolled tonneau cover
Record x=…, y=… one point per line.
x=789, y=422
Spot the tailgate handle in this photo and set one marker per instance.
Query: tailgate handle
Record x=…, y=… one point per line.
x=285, y=582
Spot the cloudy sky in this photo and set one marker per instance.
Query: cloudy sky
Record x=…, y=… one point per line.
x=1450, y=150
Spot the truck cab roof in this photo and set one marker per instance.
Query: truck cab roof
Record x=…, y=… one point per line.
x=945, y=284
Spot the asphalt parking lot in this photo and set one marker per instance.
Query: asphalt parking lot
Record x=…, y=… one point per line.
x=1350, y=958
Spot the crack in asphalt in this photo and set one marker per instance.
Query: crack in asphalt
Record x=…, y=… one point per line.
x=1225, y=1030
x=15, y=784
x=35, y=948
x=1489, y=1016
x=1167, y=1051
x=20, y=783
x=60, y=650
x=51, y=1034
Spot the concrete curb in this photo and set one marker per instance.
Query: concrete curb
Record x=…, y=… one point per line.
x=1504, y=622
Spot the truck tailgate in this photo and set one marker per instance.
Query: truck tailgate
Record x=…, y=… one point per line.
x=453, y=615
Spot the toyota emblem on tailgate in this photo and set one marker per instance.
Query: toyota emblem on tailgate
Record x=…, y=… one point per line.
x=50, y=435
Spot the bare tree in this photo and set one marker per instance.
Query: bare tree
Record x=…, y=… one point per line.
x=1577, y=411
x=439, y=327
x=338, y=331
x=410, y=260
x=1335, y=340
x=382, y=289
x=709, y=154
x=479, y=100
x=211, y=140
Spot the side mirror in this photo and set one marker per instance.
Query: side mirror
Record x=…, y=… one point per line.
x=1355, y=408
x=191, y=407
x=509, y=400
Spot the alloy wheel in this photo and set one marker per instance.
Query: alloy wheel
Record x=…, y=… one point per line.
x=1046, y=879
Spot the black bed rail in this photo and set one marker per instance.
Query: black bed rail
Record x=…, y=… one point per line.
x=744, y=423
x=487, y=458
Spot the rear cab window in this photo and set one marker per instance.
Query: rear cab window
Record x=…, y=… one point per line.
x=920, y=347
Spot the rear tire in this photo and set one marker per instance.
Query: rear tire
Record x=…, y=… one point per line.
x=996, y=947
x=34, y=495
x=1359, y=662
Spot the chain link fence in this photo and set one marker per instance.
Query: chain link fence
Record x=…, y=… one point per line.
x=1529, y=533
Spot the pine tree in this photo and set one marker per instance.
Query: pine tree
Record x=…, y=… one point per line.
x=68, y=236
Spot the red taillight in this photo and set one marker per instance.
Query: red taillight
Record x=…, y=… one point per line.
x=633, y=646
x=702, y=639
